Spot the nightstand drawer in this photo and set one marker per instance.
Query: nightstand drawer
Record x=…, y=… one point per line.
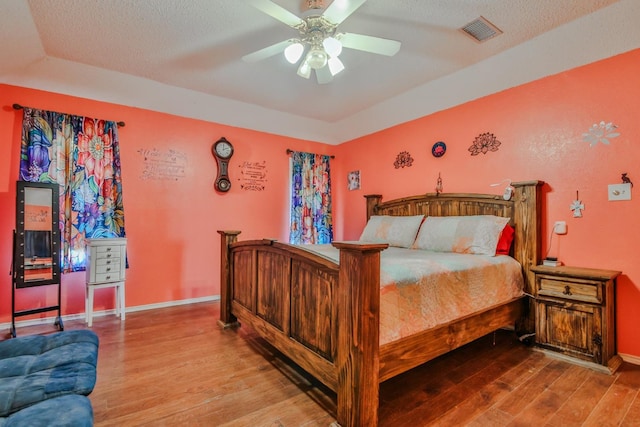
x=578, y=290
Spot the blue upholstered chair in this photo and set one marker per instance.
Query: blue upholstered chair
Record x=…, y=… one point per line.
x=45, y=379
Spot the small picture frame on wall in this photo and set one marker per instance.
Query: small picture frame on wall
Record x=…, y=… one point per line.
x=353, y=180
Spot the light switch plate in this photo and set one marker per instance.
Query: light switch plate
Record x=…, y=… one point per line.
x=619, y=191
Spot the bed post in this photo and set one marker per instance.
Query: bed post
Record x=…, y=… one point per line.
x=528, y=236
x=357, y=360
x=227, y=237
x=373, y=200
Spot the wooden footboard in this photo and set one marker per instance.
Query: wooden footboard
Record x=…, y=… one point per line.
x=325, y=317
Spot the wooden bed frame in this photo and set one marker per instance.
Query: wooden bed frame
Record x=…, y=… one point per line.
x=325, y=317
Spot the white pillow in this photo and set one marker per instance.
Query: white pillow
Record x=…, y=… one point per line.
x=474, y=234
x=397, y=231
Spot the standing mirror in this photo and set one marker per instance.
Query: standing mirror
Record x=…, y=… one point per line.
x=36, y=244
x=37, y=238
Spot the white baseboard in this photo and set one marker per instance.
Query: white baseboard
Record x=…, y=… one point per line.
x=634, y=360
x=51, y=319
x=169, y=304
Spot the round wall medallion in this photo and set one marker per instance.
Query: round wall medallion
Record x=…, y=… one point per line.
x=438, y=149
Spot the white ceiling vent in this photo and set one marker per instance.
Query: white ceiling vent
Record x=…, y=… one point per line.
x=481, y=30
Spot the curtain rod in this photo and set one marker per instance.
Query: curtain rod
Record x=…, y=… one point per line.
x=20, y=107
x=289, y=151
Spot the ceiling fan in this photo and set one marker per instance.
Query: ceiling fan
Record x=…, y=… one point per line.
x=319, y=41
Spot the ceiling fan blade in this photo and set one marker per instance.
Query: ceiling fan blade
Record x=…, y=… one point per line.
x=277, y=12
x=340, y=10
x=369, y=44
x=323, y=75
x=266, y=52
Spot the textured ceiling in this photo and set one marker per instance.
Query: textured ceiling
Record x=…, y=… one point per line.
x=184, y=57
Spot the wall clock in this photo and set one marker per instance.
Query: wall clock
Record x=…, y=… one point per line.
x=222, y=150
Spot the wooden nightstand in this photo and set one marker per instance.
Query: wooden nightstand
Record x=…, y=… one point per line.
x=575, y=314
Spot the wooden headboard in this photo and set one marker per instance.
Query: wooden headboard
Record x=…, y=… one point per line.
x=524, y=210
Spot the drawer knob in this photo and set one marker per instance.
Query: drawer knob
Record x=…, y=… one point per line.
x=567, y=290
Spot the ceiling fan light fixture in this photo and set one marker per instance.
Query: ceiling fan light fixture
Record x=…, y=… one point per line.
x=304, y=70
x=332, y=46
x=294, y=52
x=319, y=43
x=316, y=58
x=335, y=65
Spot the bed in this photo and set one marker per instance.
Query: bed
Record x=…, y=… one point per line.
x=325, y=316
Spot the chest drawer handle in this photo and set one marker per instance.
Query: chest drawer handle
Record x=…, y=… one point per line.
x=567, y=290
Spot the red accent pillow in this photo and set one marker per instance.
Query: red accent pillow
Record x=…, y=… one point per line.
x=505, y=240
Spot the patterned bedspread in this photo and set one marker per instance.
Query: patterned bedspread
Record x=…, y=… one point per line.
x=421, y=289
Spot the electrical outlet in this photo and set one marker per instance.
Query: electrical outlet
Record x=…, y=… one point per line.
x=560, y=227
x=620, y=192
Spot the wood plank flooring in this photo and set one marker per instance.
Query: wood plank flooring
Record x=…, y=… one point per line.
x=176, y=367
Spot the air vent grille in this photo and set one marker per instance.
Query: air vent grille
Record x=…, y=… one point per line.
x=481, y=30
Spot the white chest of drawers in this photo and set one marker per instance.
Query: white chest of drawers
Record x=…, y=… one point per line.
x=106, y=265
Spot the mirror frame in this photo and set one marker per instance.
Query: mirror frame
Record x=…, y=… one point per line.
x=19, y=236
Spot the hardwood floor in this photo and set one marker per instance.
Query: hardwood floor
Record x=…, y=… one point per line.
x=176, y=367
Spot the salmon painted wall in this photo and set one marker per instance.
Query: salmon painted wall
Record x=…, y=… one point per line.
x=540, y=126
x=171, y=223
x=171, y=220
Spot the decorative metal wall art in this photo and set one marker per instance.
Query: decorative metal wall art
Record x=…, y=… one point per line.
x=403, y=159
x=600, y=132
x=484, y=143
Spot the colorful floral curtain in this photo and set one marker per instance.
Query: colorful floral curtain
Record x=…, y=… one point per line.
x=82, y=155
x=311, y=221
